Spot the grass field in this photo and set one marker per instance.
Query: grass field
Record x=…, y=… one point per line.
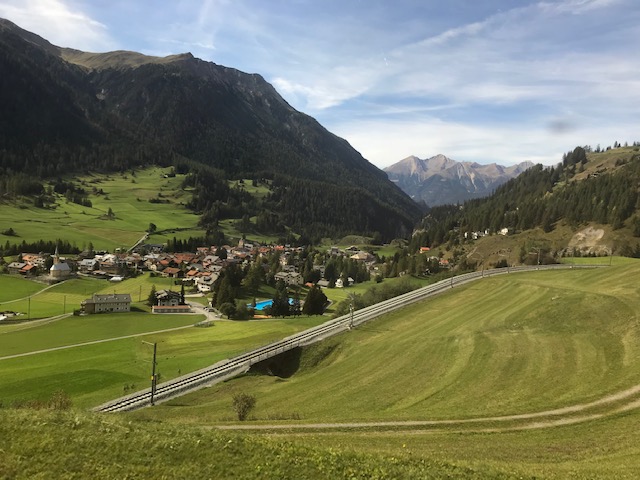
x=607, y=448
x=67, y=296
x=532, y=341
x=128, y=196
x=520, y=344
x=58, y=444
x=12, y=288
x=523, y=343
x=95, y=373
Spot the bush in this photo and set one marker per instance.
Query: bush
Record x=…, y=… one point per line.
x=60, y=401
x=243, y=403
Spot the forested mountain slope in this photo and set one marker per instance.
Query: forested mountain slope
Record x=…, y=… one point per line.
x=67, y=111
x=598, y=187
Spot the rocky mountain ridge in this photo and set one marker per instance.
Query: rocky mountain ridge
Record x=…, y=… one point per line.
x=439, y=180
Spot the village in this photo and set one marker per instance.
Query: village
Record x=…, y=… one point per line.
x=202, y=271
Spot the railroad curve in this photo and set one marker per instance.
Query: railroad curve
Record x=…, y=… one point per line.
x=230, y=368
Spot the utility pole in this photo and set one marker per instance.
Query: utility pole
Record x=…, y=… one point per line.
x=153, y=370
x=538, y=250
x=64, y=304
x=351, y=310
x=29, y=308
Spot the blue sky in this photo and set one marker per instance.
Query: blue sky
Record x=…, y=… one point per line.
x=488, y=81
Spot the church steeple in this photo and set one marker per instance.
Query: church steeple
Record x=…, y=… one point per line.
x=56, y=256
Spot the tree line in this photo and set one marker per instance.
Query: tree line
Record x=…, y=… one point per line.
x=540, y=197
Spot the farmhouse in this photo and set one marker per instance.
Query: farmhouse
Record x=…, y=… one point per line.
x=16, y=267
x=107, y=303
x=168, y=298
x=170, y=302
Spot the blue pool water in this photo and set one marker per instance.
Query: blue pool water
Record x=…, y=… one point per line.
x=265, y=303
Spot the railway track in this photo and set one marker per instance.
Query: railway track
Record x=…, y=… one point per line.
x=230, y=368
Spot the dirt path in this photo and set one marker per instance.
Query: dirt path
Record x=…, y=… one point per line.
x=564, y=416
x=104, y=340
x=34, y=323
x=34, y=294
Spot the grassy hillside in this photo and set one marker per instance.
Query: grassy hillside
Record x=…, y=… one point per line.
x=559, y=350
x=128, y=197
x=42, y=444
x=515, y=344
x=526, y=375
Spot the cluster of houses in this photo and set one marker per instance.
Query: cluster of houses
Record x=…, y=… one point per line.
x=34, y=264
x=200, y=268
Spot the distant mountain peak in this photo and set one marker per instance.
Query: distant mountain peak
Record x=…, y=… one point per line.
x=441, y=180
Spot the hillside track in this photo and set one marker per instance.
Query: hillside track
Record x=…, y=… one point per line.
x=230, y=368
x=619, y=402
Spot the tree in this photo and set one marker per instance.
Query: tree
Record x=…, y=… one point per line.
x=315, y=302
x=280, y=306
x=241, y=311
x=152, y=300
x=254, y=278
x=228, y=309
x=295, y=308
x=225, y=291
x=182, y=301
x=243, y=403
x=152, y=228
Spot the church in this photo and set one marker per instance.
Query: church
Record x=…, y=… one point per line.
x=59, y=270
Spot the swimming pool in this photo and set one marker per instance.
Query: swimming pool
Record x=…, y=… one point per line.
x=264, y=304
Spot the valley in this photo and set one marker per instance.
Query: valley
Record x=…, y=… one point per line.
x=160, y=215
x=529, y=374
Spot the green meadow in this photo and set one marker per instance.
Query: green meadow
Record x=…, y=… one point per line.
x=61, y=444
x=518, y=376
x=528, y=344
x=13, y=287
x=128, y=197
x=95, y=373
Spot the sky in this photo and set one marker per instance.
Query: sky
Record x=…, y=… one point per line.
x=484, y=81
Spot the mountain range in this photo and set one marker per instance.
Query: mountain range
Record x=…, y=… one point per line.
x=440, y=180
x=64, y=111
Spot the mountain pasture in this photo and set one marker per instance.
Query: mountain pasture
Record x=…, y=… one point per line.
x=520, y=343
x=525, y=374
x=136, y=200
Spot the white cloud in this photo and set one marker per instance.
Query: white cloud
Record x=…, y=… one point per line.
x=576, y=7
x=386, y=142
x=59, y=22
